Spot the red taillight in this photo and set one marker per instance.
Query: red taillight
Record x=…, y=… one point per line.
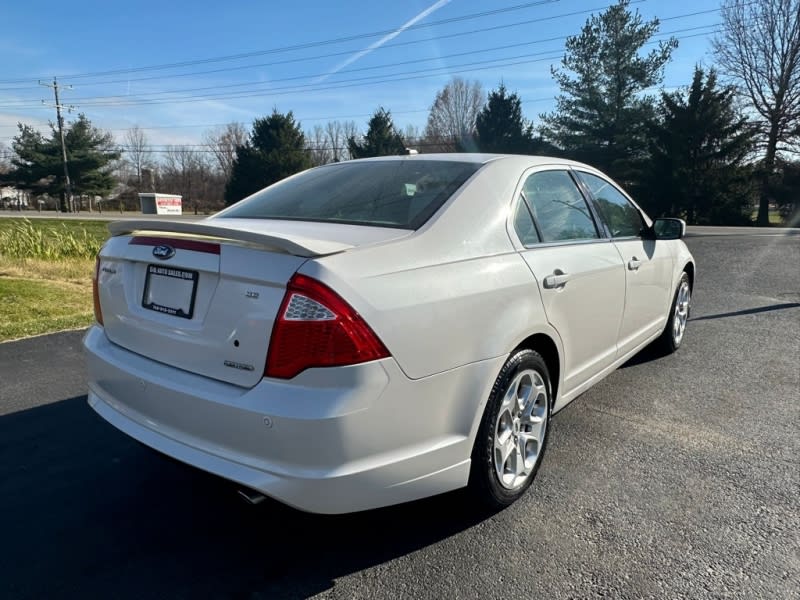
x=98, y=313
x=315, y=327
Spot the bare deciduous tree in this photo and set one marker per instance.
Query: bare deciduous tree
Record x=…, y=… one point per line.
x=413, y=137
x=318, y=146
x=337, y=133
x=759, y=48
x=188, y=172
x=453, y=114
x=223, y=144
x=5, y=158
x=137, y=153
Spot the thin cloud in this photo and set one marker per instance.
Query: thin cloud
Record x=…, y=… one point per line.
x=388, y=37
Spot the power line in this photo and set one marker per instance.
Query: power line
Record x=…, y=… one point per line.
x=358, y=70
x=166, y=148
x=388, y=46
x=396, y=64
x=338, y=85
x=347, y=83
x=348, y=52
x=20, y=104
x=305, y=45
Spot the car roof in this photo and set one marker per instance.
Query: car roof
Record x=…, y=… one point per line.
x=474, y=158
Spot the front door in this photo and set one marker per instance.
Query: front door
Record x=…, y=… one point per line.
x=647, y=264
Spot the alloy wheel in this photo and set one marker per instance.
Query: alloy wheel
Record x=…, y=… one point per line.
x=520, y=429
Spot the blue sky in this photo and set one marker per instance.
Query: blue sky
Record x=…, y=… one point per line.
x=323, y=60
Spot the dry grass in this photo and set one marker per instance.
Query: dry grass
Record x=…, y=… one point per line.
x=77, y=271
x=22, y=238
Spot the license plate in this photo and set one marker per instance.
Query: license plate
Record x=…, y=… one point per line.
x=170, y=291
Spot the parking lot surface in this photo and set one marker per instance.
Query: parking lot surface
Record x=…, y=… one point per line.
x=676, y=477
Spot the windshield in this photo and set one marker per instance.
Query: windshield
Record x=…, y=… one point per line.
x=390, y=193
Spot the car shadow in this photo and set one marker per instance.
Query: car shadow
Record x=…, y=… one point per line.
x=649, y=353
x=748, y=311
x=87, y=512
x=654, y=351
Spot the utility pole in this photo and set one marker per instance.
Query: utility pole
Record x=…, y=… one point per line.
x=70, y=205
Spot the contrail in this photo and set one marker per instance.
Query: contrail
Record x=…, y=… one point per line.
x=388, y=37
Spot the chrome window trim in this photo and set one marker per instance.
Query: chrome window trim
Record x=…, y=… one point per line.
x=601, y=240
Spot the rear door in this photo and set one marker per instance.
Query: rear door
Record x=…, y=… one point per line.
x=648, y=265
x=580, y=274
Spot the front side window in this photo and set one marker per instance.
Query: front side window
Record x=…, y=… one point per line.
x=388, y=193
x=622, y=217
x=558, y=207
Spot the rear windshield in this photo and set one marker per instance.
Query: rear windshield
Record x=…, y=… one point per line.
x=396, y=193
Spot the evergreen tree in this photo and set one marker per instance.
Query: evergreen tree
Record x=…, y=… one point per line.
x=699, y=150
x=500, y=126
x=601, y=114
x=91, y=153
x=275, y=150
x=37, y=163
x=382, y=138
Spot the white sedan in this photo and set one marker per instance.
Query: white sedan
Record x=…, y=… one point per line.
x=375, y=331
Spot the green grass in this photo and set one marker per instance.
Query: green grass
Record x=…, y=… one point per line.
x=32, y=307
x=46, y=273
x=775, y=218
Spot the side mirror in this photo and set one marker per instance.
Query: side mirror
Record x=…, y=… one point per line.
x=669, y=229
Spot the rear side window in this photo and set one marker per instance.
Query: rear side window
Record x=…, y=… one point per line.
x=558, y=207
x=523, y=224
x=396, y=193
x=622, y=217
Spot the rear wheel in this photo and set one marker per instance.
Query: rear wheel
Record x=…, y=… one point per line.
x=672, y=337
x=513, y=433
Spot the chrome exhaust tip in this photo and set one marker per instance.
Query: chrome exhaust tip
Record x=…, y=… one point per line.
x=250, y=496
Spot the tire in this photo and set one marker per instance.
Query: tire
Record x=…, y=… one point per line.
x=675, y=329
x=512, y=436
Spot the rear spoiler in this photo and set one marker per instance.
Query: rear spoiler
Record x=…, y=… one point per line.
x=289, y=244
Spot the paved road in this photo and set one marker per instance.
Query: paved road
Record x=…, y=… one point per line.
x=677, y=477
x=95, y=216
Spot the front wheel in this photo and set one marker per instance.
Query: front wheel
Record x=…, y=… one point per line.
x=513, y=433
x=675, y=328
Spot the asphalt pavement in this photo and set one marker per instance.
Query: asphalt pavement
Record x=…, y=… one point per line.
x=676, y=477
x=109, y=215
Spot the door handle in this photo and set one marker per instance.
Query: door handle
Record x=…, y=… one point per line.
x=634, y=264
x=556, y=280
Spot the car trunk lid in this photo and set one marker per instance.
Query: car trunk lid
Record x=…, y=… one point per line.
x=203, y=296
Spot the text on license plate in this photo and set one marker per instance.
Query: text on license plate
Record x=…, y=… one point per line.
x=170, y=291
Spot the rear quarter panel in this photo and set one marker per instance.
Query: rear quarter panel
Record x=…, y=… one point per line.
x=453, y=293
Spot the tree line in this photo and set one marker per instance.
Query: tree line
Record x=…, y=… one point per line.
x=710, y=152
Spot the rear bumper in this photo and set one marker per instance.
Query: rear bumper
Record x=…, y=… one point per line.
x=329, y=441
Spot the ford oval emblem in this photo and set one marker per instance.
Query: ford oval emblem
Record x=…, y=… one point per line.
x=163, y=252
